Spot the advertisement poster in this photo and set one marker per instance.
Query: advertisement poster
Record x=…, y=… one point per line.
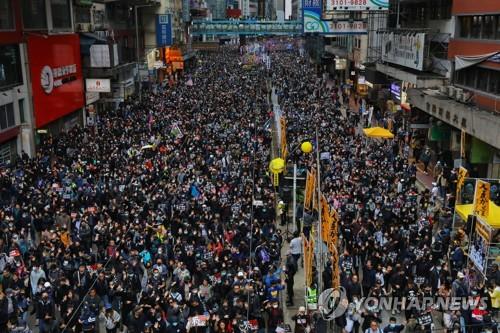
x=404, y=49
x=357, y=5
x=56, y=76
x=479, y=247
x=314, y=24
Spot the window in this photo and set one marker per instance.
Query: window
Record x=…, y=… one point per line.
x=6, y=15
x=22, y=117
x=61, y=14
x=498, y=27
x=482, y=79
x=465, y=26
x=10, y=66
x=34, y=15
x=489, y=27
x=7, y=119
x=494, y=83
x=476, y=26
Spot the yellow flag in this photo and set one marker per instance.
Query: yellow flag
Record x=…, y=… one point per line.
x=325, y=218
x=333, y=232
x=310, y=186
x=482, y=198
x=462, y=173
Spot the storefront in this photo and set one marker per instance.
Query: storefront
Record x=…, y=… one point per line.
x=56, y=81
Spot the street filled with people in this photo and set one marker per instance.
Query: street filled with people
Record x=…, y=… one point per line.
x=162, y=216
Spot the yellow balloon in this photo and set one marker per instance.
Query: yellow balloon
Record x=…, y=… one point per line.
x=277, y=165
x=306, y=147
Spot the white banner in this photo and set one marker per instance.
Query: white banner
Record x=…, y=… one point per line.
x=404, y=49
x=98, y=85
x=91, y=97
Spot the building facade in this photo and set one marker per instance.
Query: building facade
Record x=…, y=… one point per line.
x=467, y=107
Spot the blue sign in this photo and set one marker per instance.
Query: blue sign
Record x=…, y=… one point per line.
x=164, y=30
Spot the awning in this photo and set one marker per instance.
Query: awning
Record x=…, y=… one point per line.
x=462, y=62
x=493, y=219
x=378, y=132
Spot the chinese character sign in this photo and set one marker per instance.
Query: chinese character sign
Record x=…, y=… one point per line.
x=462, y=173
x=482, y=198
x=164, y=30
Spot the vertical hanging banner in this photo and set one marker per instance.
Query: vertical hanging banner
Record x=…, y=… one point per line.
x=314, y=190
x=482, y=199
x=283, y=138
x=164, y=30
x=332, y=247
x=462, y=173
x=305, y=251
x=325, y=218
x=310, y=189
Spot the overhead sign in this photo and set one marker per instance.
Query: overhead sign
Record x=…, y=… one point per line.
x=91, y=97
x=396, y=91
x=164, y=30
x=357, y=5
x=98, y=85
x=405, y=49
x=313, y=23
x=56, y=73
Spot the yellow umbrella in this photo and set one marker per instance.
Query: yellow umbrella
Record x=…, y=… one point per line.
x=378, y=132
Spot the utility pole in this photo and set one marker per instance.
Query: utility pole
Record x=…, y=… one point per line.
x=319, y=241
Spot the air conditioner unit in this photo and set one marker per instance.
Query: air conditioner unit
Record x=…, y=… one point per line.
x=451, y=92
x=443, y=90
x=465, y=97
x=459, y=96
x=83, y=27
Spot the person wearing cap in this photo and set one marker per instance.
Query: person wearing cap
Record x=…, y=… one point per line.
x=301, y=321
x=460, y=287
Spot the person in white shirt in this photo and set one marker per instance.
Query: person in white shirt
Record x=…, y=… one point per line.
x=111, y=320
x=296, y=246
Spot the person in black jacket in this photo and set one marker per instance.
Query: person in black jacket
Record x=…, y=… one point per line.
x=291, y=269
x=45, y=312
x=4, y=313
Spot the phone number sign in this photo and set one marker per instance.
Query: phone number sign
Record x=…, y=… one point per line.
x=357, y=5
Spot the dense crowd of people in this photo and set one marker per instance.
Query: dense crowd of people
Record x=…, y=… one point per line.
x=146, y=220
x=395, y=240
x=161, y=218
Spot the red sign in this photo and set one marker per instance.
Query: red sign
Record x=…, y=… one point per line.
x=56, y=76
x=233, y=13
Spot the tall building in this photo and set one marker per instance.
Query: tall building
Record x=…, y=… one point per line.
x=467, y=108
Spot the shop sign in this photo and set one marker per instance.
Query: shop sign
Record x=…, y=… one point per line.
x=91, y=97
x=98, y=85
x=404, y=49
x=56, y=72
x=396, y=91
x=357, y=5
x=313, y=23
x=164, y=30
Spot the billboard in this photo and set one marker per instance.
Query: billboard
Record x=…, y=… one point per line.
x=98, y=85
x=405, y=49
x=164, y=30
x=56, y=76
x=313, y=23
x=357, y=5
